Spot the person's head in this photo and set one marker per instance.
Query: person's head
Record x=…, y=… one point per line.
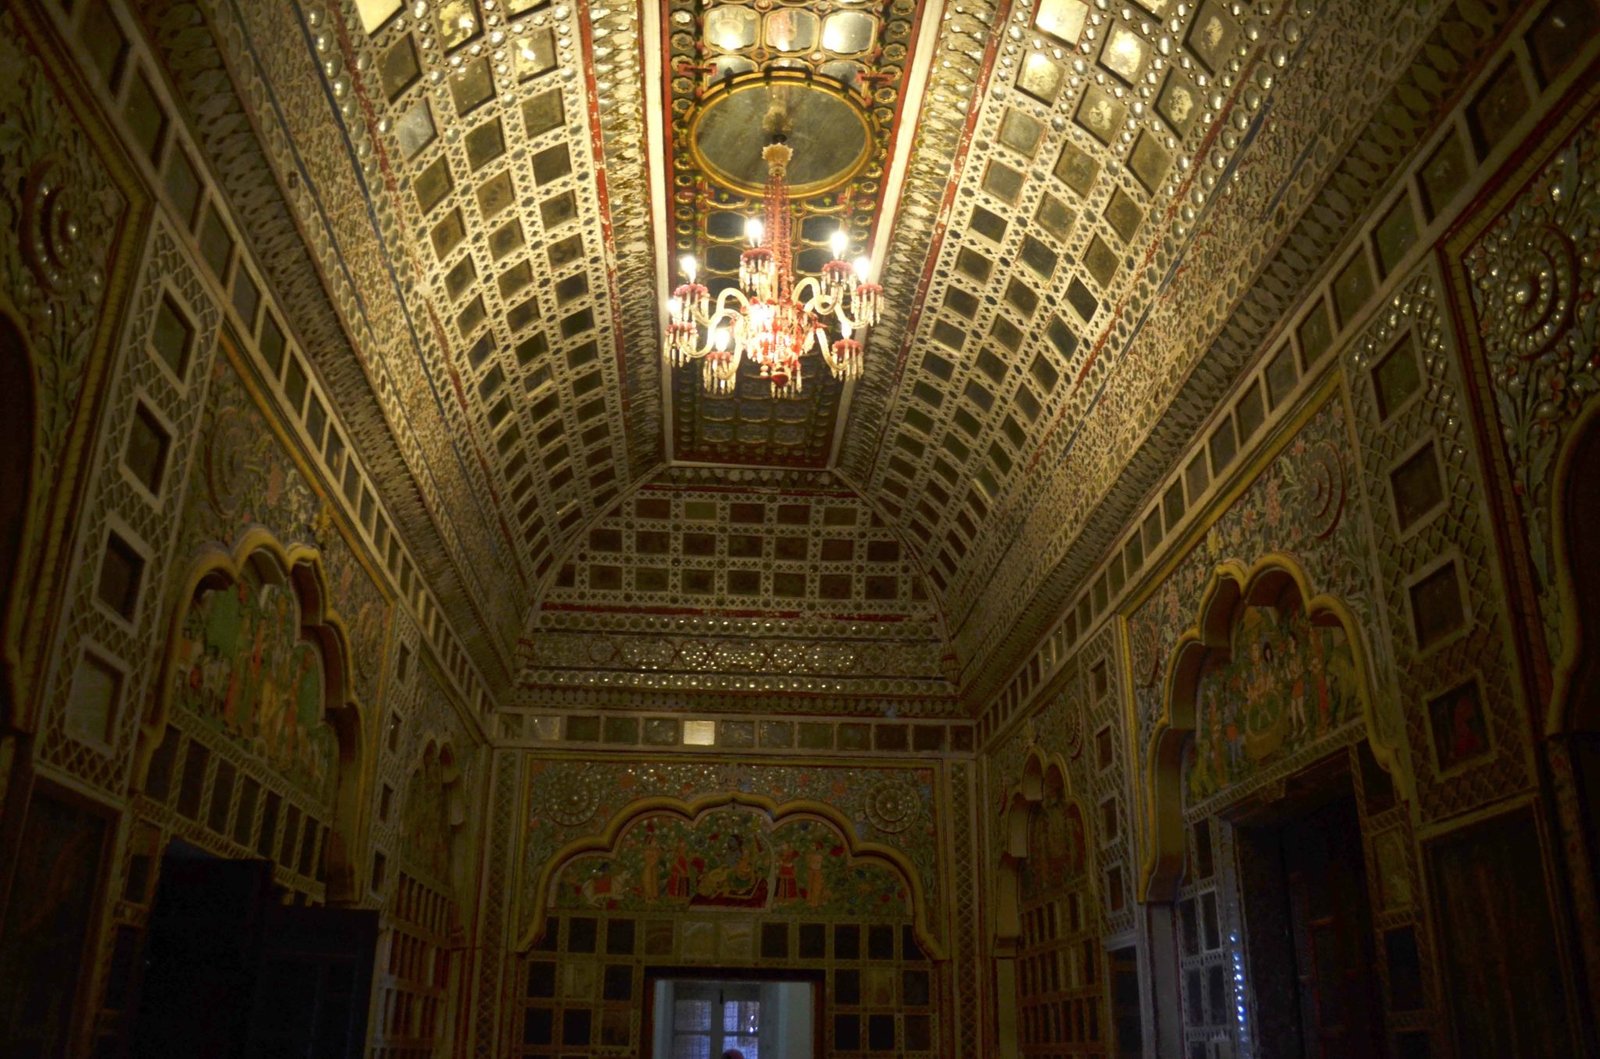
x=733, y=1053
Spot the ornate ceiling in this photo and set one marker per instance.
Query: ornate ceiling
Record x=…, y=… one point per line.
x=1063, y=200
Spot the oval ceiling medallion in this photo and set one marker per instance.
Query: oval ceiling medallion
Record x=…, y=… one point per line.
x=827, y=127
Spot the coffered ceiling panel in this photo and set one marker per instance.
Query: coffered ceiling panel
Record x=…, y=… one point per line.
x=1063, y=200
x=730, y=594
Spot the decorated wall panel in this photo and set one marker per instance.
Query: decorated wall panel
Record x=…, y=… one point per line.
x=1424, y=490
x=76, y=219
x=1534, y=293
x=816, y=868
x=1082, y=725
x=732, y=859
x=427, y=830
x=1298, y=506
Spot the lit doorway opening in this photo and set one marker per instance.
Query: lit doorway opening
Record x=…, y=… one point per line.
x=702, y=1018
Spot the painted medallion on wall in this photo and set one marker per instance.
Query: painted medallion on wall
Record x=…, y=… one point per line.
x=1285, y=684
x=241, y=666
x=733, y=859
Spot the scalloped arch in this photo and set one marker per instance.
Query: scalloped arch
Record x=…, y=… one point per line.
x=300, y=568
x=1231, y=586
x=606, y=841
x=1020, y=800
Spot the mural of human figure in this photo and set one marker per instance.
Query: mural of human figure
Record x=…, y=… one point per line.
x=650, y=876
x=1074, y=853
x=816, y=889
x=308, y=712
x=1222, y=745
x=678, y=872
x=1259, y=689
x=788, y=886
x=1299, y=690
x=1317, y=685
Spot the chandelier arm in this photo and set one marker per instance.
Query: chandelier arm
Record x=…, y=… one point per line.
x=706, y=332
x=842, y=313
x=817, y=300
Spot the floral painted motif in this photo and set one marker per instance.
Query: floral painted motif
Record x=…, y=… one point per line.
x=241, y=665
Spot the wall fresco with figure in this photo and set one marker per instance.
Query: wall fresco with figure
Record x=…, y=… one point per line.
x=1299, y=507
x=1285, y=685
x=241, y=665
x=732, y=858
x=571, y=801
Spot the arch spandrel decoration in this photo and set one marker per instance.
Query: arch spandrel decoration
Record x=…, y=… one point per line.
x=731, y=851
x=256, y=653
x=1271, y=676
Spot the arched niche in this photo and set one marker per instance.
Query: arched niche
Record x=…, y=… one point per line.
x=1047, y=915
x=434, y=816
x=1043, y=789
x=1269, y=670
x=257, y=654
x=18, y=421
x=775, y=864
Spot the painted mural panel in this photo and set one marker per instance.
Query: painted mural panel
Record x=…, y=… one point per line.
x=1285, y=685
x=1296, y=507
x=241, y=665
x=567, y=801
x=426, y=824
x=734, y=859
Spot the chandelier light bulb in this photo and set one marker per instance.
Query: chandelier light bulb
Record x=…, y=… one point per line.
x=674, y=307
x=840, y=243
x=690, y=266
x=719, y=338
x=754, y=230
x=863, y=269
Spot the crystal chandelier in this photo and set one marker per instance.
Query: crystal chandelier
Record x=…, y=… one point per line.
x=771, y=317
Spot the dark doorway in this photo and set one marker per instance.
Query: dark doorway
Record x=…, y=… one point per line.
x=1123, y=966
x=1309, y=923
x=16, y=478
x=1579, y=515
x=232, y=970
